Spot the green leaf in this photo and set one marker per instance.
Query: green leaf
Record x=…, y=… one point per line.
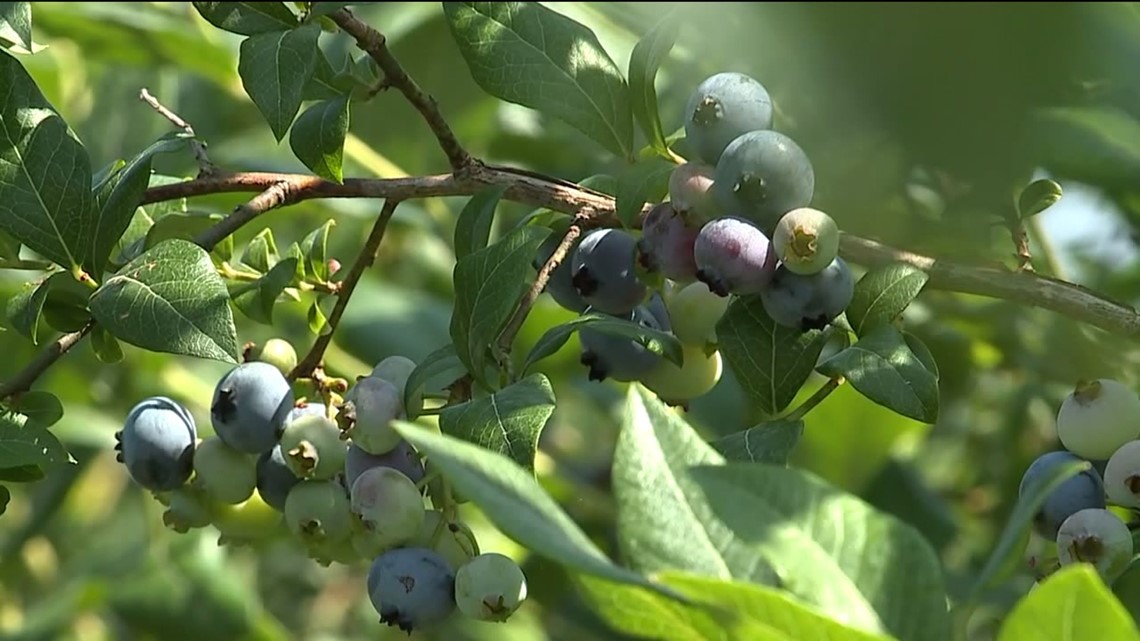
x=516, y=504
x=434, y=364
x=1071, y=605
x=9, y=247
x=1097, y=145
x=772, y=362
x=881, y=367
x=326, y=8
x=257, y=299
x=664, y=521
x=524, y=53
x=488, y=283
x=23, y=443
x=473, y=228
x=169, y=300
x=25, y=308
x=179, y=226
x=5, y=496
x=647, y=181
x=317, y=138
x=1007, y=553
x=45, y=174
x=1038, y=196
x=314, y=248
x=65, y=308
x=922, y=353
x=326, y=83
x=20, y=474
x=882, y=294
x=508, y=421
x=647, y=56
x=316, y=318
x=1126, y=587
x=771, y=442
x=41, y=408
x=658, y=342
x=274, y=69
x=247, y=18
x=261, y=252
x=106, y=346
x=16, y=23
x=832, y=549
x=117, y=198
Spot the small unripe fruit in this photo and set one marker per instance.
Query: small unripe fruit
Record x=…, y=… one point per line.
x=247, y=522
x=806, y=240
x=372, y=406
x=396, y=370
x=389, y=505
x=690, y=192
x=1098, y=537
x=490, y=587
x=225, y=473
x=313, y=448
x=278, y=353
x=677, y=385
x=317, y=511
x=190, y=507
x=1098, y=417
x=695, y=310
x=1122, y=475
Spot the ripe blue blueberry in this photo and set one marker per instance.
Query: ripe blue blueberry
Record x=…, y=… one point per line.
x=403, y=458
x=761, y=176
x=723, y=107
x=604, y=272
x=733, y=256
x=250, y=406
x=1098, y=417
x=274, y=478
x=1085, y=490
x=156, y=444
x=809, y=302
x=1098, y=537
x=560, y=286
x=666, y=244
x=620, y=358
x=411, y=588
x=490, y=587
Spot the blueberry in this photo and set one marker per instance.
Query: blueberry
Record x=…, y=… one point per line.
x=250, y=406
x=809, y=302
x=329, y=551
x=313, y=447
x=723, y=107
x=389, y=506
x=490, y=587
x=620, y=358
x=411, y=588
x=733, y=256
x=604, y=273
x=1098, y=417
x=1098, y=537
x=560, y=286
x=763, y=175
x=699, y=373
x=190, y=507
x=695, y=311
x=248, y=522
x=666, y=244
x=318, y=511
x=278, y=353
x=453, y=540
x=404, y=458
x=806, y=240
x=690, y=191
x=1085, y=490
x=274, y=478
x=397, y=370
x=371, y=406
x=225, y=473
x=1122, y=476
x=156, y=444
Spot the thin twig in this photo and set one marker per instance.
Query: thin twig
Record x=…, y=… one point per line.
x=23, y=380
x=367, y=256
x=205, y=167
x=820, y=394
x=376, y=45
x=1020, y=237
x=281, y=192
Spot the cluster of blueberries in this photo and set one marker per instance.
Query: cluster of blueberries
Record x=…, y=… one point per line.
x=1099, y=422
x=737, y=222
x=346, y=485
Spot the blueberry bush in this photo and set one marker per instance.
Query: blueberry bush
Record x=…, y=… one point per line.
x=567, y=321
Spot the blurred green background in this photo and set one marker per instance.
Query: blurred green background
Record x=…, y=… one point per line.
x=893, y=102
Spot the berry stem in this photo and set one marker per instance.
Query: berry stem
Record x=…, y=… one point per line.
x=823, y=392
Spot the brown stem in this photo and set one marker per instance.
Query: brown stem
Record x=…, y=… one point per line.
x=205, y=167
x=367, y=256
x=23, y=380
x=281, y=192
x=374, y=42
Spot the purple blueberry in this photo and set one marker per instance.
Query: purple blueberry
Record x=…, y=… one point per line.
x=619, y=358
x=1080, y=492
x=411, y=588
x=733, y=256
x=763, y=175
x=560, y=287
x=666, y=244
x=250, y=406
x=404, y=459
x=723, y=107
x=809, y=302
x=156, y=444
x=604, y=272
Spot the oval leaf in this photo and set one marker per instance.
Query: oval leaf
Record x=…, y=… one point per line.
x=257, y=299
x=770, y=442
x=170, y=300
x=105, y=346
x=658, y=342
x=881, y=366
x=772, y=362
x=261, y=252
x=473, y=229
x=508, y=421
x=516, y=504
x=1038, y=196
x=647, y=56
x=45, y=174
x=25, y=308
x=41, y=408
x=832, y=549
x=645, y=182
x=527, y=54
x=882, y=294
x=317, y=138
x=314, y=249
x=1071, y=605
x=434, y=364
x=16, y=23
x=247, y=18
x=274, y=69
x=23, y=444
x=664, y=521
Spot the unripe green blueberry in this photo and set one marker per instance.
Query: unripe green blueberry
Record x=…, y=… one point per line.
x=372, y=405
x=490, y=587
x=1097, y=418
x=389, y=505
x=189, y=507
x=313, y=447
x=248, y=522
x=225, y=473
x=1122, y=476
x=278, y=353
x=677, y=385
x=806, y=240
x=317, y=511
x=1098, y=537
x=452, y=540
x=329, y=551
x=690, y=191
x=695, y=311
x=396, y=370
